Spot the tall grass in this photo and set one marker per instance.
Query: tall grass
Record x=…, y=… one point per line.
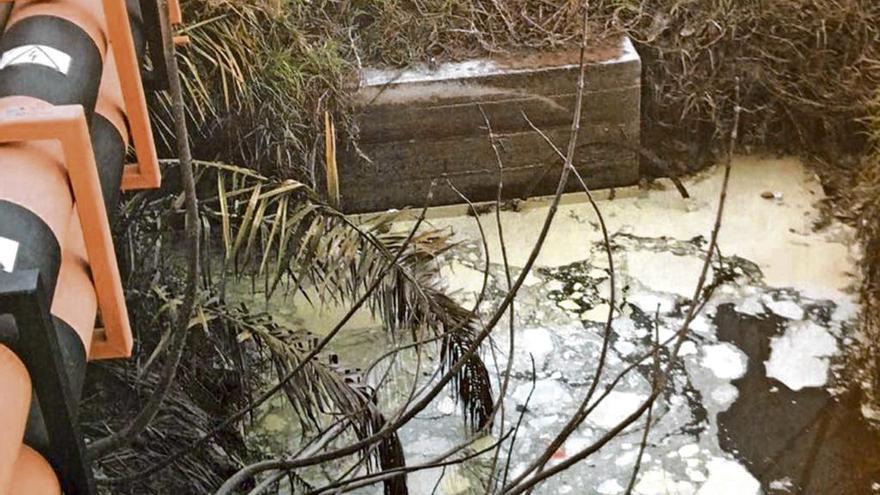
x=261, y=73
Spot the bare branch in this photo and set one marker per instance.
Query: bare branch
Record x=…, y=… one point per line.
x=129, y=433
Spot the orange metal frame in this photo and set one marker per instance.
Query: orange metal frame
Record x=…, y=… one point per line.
x=174, y=14
x=67, y=124
x=144, y=174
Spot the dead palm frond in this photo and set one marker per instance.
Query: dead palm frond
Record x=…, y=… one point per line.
x=278, y=229
x=323, y=388
x=117, y=389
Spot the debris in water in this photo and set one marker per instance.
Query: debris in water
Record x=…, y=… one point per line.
x=783, y=485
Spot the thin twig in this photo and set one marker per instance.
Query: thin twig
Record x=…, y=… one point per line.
x=136, y=426
x=511, y=345
x=265, y=396
x=680, y=336
x=643, y=444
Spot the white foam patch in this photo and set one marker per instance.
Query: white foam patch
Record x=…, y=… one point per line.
x=695, y=475
x=660, y=482
x=459, y=277
x=569, y=305
x=626, y=459
x=728, y=477
x=782, y=485
x=609, y=487
x=446, y=406
x=624, y=348
x=799, y=358
x=786, y=309
x=649, y=303
x=625, y=328
x=598, y=313
x=665, y=271
x=688, y=348
x=726, y=361
x=615, y=408
x=538, y=342
x=700, y=325
x=725, y=395
x=750, y=306
x=543, y=422
x=547, y=392
x=689, y=450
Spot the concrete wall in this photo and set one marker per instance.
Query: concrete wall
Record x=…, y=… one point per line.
x=421, y=124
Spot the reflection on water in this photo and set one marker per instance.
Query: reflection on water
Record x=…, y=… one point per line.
x=805, y=441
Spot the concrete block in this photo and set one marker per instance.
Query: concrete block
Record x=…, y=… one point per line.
x=427, y=124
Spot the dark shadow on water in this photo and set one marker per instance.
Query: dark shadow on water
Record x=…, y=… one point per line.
x=821, y=444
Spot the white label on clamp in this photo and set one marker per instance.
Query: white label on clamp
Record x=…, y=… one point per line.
x=8, y=253
x=36, y=54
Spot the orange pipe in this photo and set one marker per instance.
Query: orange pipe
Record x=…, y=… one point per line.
x=76, y=302
x=15, y=402
x=36, y=177
x=33, y=475
x=111, y=103
x=34, y=174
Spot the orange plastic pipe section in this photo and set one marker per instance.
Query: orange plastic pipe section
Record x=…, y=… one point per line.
x=33, y=475
x=36, y=178
x=15, y=401
x=76, y=302
x=111, y=101
x=34, y=174
x=144, y=173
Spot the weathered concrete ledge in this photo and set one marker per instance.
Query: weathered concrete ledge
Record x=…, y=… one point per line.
x=420, y=124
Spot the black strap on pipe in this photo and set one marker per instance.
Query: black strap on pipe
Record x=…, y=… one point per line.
x=62, y=67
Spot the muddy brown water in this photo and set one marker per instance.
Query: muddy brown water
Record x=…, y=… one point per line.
x=804, y=442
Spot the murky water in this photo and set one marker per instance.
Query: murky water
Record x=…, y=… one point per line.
x=806, y=441
x=757, y=403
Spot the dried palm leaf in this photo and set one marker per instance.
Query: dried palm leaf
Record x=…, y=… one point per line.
x=323, y=388
x=323, y=250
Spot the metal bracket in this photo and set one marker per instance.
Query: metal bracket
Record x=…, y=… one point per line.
x=67, y=124
x=21, y=296
x=143, y=174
